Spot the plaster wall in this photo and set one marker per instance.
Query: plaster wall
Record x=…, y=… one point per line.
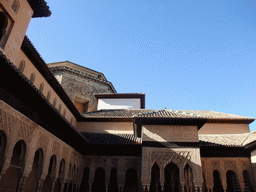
x=224, y=128
x=168, y=133
x=106, y=127
x=21, y=21
x=118, y=104
x=83, y=89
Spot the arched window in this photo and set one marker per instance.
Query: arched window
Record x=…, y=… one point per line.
x=60, y=107
x=32, y=77
x=41, y=88
x=64, y=113
x=48, y=96
x=54, y=102
x=22, y=66
x=3, y=24
x=15, y=6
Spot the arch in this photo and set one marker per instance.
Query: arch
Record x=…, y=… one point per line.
x=47, y=185
x=3, y=24
x=54, y=102
x=48, y=96
x=98, y=184
x=112, y=187
x=247, y=182
x=3, y=142
x=35, y=174
x=155, y=176
x=32, y=77
x=15, y=169
x=217, y=184
x=232, y=182
x=41, y=88
x=85, y=180
x=188, y=174
x=61, y=176
x=22, y=66
x=131, y=181
x=171, y=174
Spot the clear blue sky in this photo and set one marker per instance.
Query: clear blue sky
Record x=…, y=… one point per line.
x=183, y=54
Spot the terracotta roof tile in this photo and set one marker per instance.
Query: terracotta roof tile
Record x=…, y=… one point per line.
x=130, y=113
x=111, y=139
x=229, y=140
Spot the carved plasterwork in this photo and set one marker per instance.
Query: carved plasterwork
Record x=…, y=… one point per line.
x=131, y=163
x=43, y=141
x=215, y=165
x=230, y=165
x=114, y=163
x=163, y=158
x=56, y=148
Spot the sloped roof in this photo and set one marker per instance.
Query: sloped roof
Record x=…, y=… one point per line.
x=111, y=139
x=211, y=116
x=116, y=113
x=165, y=113
x=228, y=140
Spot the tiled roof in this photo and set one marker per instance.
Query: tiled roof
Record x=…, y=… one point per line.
x=251, y=138
x=129, y=113
x=111, y=139
x=216, y=115
x=116, y=113
x=165, y=113
x=228, y=140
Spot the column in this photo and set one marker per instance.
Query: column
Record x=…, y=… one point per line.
x=62, y=185
x=21, y=184
x=40, y=185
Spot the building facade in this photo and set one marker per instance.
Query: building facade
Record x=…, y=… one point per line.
x=64, y=128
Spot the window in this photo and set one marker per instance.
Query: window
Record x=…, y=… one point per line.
x=22, y=66
x=60, y=106
x=32, y=77
x=54, y=102
x=41, y=88
x=48, y=96
x=15, y=6
x=64, y=113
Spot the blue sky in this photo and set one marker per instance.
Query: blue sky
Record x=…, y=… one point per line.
x=183, y=54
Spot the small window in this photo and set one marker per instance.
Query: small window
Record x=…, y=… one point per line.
x=3, y=24
x=54, y=102
x=41, y=88
x=22, y=66
x=64, y=113
x=48, y=96
x=32, y=77
x=15, y=6
x=60, y=106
